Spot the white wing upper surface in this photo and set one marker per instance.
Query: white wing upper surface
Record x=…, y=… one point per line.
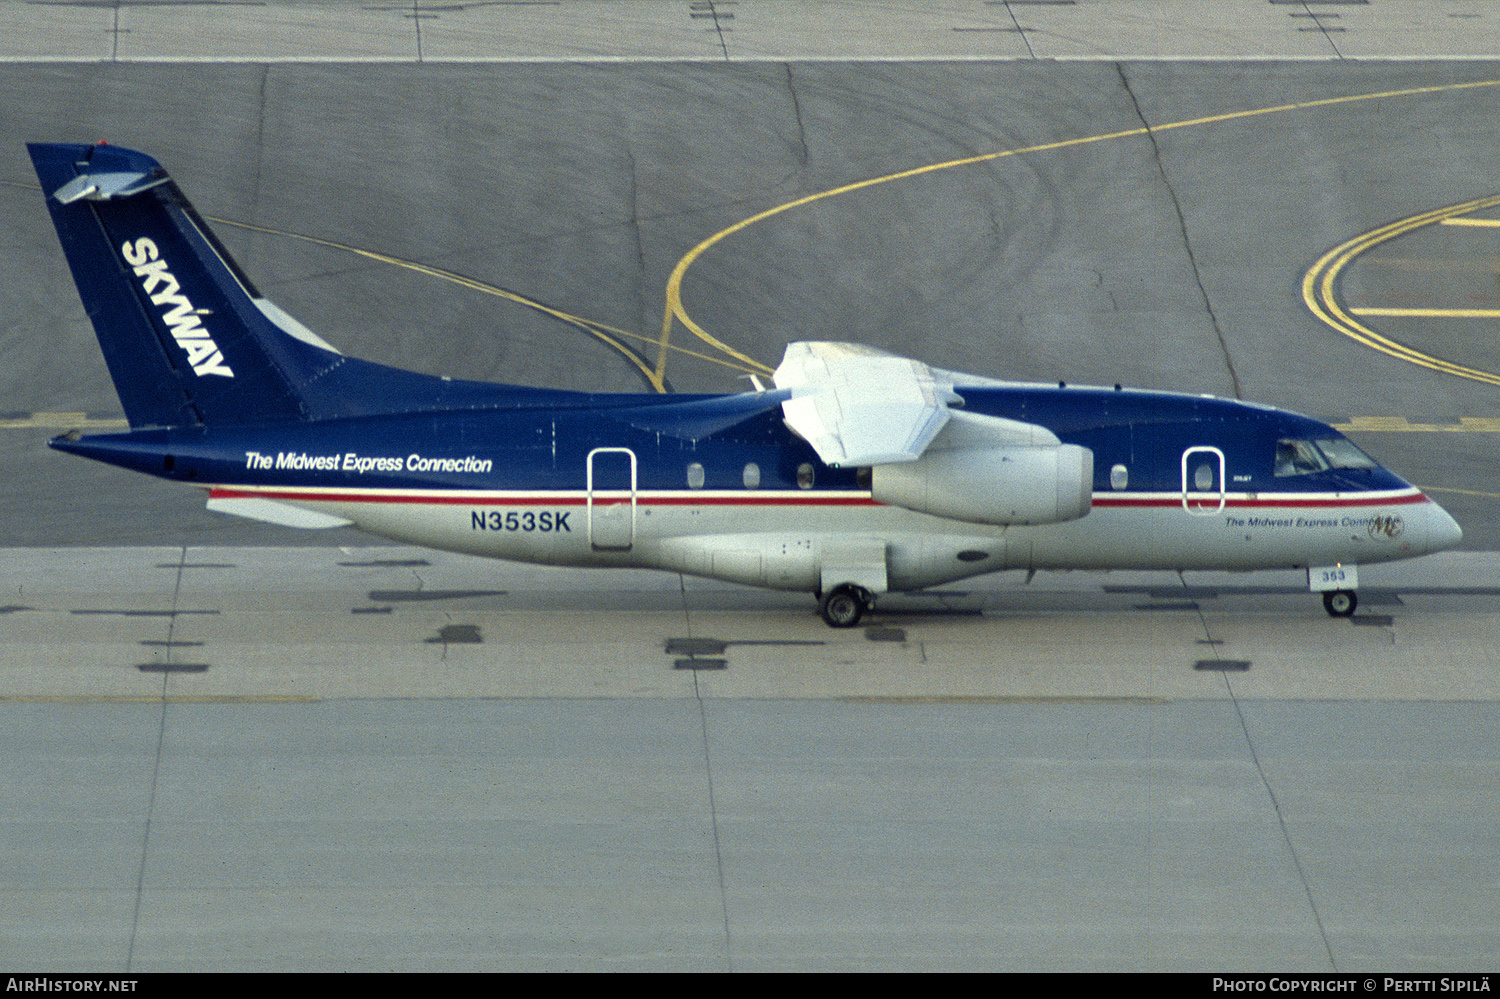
x=859, y=406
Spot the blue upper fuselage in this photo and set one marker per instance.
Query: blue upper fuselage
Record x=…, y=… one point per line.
x=506, y=438
x=223, y=388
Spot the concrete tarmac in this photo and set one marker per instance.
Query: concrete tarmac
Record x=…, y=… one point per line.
x=227, y=753
x=325, y=759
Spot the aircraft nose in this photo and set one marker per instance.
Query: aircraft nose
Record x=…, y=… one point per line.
x=1442, y=530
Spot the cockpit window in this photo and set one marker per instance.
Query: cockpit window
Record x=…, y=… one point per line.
x=1295, y=457
x=1300, y=457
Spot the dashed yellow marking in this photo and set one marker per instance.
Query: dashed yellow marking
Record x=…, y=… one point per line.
x=159, y=699
x=61, y=421
x=1401, y=425
x=1429, y=313
x=1459, y=492
x=1359, y=424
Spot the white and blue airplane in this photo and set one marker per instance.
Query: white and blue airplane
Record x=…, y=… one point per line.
x=857, y=473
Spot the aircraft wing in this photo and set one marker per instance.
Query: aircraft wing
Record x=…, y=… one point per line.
x=860, y=406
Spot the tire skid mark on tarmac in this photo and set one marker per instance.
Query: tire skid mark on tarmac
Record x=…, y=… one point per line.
x=676, y=313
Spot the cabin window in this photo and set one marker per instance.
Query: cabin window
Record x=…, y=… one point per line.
x=805, y=476
x=1203, y=478
x=1119, y=477
x=752, y=476
x=695, y=476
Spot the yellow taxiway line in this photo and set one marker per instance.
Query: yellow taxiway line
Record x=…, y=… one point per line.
x=1320, y=290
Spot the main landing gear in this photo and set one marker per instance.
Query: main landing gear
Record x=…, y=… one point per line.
x=844, y=605
x=1340, y=603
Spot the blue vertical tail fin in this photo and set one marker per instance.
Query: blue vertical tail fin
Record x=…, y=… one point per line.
x=188, y=339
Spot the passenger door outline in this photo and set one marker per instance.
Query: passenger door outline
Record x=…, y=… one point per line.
x=611, y=501
x=1200, y=501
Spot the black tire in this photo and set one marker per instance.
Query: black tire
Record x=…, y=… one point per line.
x=1340, y=603
x=842, y=606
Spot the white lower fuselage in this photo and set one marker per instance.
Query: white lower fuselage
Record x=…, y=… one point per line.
x=781, y=539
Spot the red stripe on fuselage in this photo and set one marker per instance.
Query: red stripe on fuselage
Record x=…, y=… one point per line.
x=532, y=499
x=1293, y=501
x=1288, y=501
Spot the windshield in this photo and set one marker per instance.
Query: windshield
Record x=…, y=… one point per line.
x=1341, y=453
x=1303, y=457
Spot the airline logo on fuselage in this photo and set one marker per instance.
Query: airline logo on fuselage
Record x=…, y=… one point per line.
x=183, y=321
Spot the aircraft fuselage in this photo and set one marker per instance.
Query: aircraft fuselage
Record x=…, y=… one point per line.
x=655, y=482
x=861, y=472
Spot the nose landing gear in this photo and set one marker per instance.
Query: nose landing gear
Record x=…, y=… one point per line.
x=1337, y=583
x=1340, y=603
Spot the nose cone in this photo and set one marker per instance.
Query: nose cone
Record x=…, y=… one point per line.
x=1442, y=530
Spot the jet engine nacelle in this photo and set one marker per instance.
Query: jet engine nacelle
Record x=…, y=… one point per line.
x=1006, y=485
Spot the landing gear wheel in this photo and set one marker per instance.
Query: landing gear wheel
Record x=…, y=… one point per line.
x=843, y=606
x=1340, y=603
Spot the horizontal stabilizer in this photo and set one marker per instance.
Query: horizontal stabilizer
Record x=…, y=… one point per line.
x=102, y=185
